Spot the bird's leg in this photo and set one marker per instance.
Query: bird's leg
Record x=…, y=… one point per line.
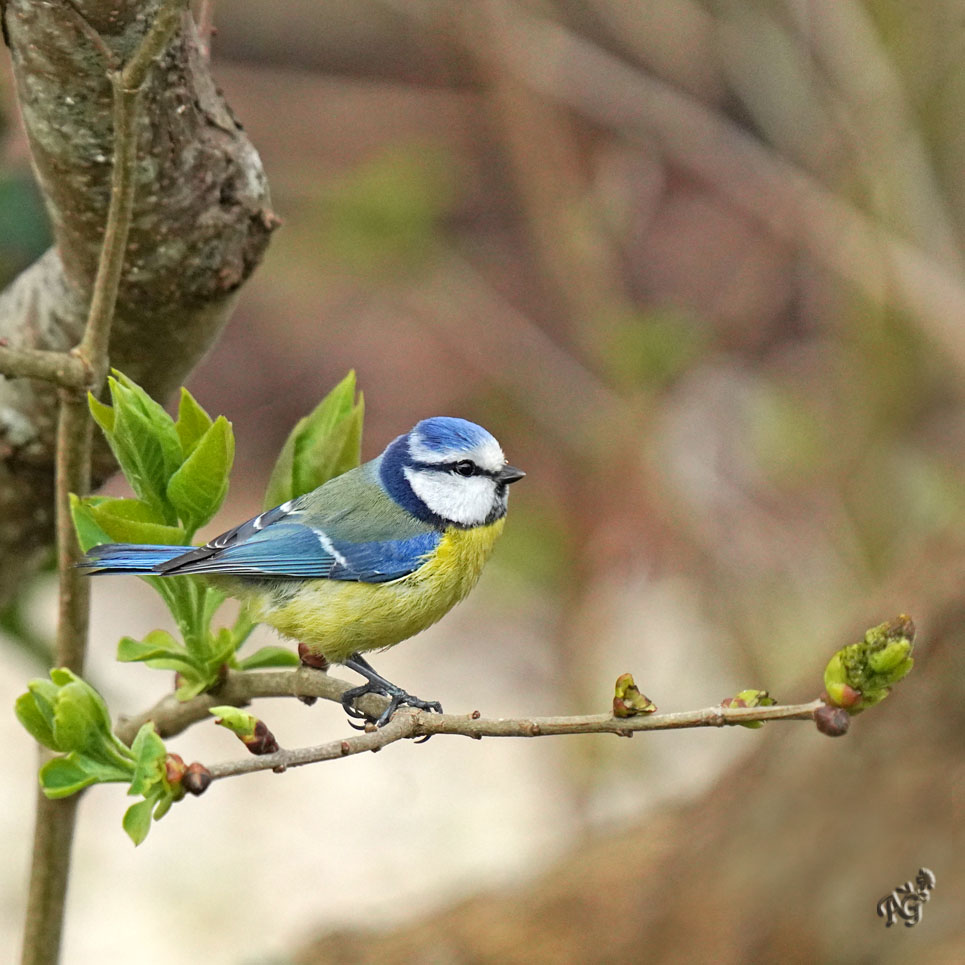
x=377, y=684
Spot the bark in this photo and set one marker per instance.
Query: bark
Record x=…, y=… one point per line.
x=201, y=223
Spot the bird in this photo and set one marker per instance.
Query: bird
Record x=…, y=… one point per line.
x=363, y=562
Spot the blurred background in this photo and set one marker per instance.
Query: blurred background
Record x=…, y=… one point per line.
x=698, y=264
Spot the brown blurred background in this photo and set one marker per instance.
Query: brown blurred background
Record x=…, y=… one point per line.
x=698, y=264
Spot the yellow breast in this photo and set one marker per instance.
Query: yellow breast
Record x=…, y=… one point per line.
x=337, y=618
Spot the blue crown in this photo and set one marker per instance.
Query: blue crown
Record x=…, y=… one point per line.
x=443, y=434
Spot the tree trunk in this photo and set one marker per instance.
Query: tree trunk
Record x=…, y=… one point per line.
x=200, y=226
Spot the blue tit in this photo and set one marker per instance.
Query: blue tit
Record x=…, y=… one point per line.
x=366, y=560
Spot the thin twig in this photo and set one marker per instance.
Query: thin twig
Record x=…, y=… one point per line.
x=61, y=368
x=55, y=819
x=206, y=29
x=90, y=31
x=72, y=476
x=171, y=716
x=408, y=723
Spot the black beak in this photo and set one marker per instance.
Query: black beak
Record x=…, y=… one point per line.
x=509, y=474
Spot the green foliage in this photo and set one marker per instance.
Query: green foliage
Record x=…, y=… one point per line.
x=251, y=731
x=178, y=469
x=323, y=444
x=68, y=716
x=862, y=674
x=628, y=701
x=750, y=698
x=235, y=719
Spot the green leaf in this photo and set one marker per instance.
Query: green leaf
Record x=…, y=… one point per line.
x=137, y=820
x=149, y=756
x=134, y=510
x=193, y=422
x=134, y=397
x=81, y=719
x=118, y=522
x=35, y=721
x=143, y=438
x=145, y=457
x=210, y=601
x=105, y=770
x=102, y=414
x=158, y=649
x=89, y=532
x=182, y=594
x=323, y=456
x=75, y=721
x=44, y=693
x=192, y=687
x=323, y=444
x=223, y=646
x=198, y=488
x=269, y=657
x=234, y=719
x=243, y=627
x=62, y=776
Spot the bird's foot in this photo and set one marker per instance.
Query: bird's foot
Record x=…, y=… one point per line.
x=375, y=683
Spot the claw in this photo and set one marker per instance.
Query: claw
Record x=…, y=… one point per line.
x=377, y=684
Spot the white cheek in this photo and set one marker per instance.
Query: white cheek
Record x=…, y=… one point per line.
x=466, y=500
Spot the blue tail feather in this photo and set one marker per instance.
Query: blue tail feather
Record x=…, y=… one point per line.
x=128, y=558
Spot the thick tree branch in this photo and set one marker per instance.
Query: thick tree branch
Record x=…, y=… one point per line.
x=172, y=716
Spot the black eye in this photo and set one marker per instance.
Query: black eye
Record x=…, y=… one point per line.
x=465, y=467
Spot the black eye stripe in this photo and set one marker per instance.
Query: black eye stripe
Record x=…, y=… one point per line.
x=451, y=467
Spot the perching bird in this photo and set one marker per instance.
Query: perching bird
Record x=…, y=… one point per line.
x=364, y=561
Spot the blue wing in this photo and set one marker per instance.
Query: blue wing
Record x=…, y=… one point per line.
x=294, y=550
x=348, y=529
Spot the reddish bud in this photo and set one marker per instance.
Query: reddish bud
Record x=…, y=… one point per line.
x=196, y=778
x=309, y=659
x=174, y=768
x=833, y=721
x=262, y=741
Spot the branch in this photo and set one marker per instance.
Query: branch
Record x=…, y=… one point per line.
x=55, y=820
x=858, y=675
x=171, y=716
x=407, y=723
x=60, y=368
